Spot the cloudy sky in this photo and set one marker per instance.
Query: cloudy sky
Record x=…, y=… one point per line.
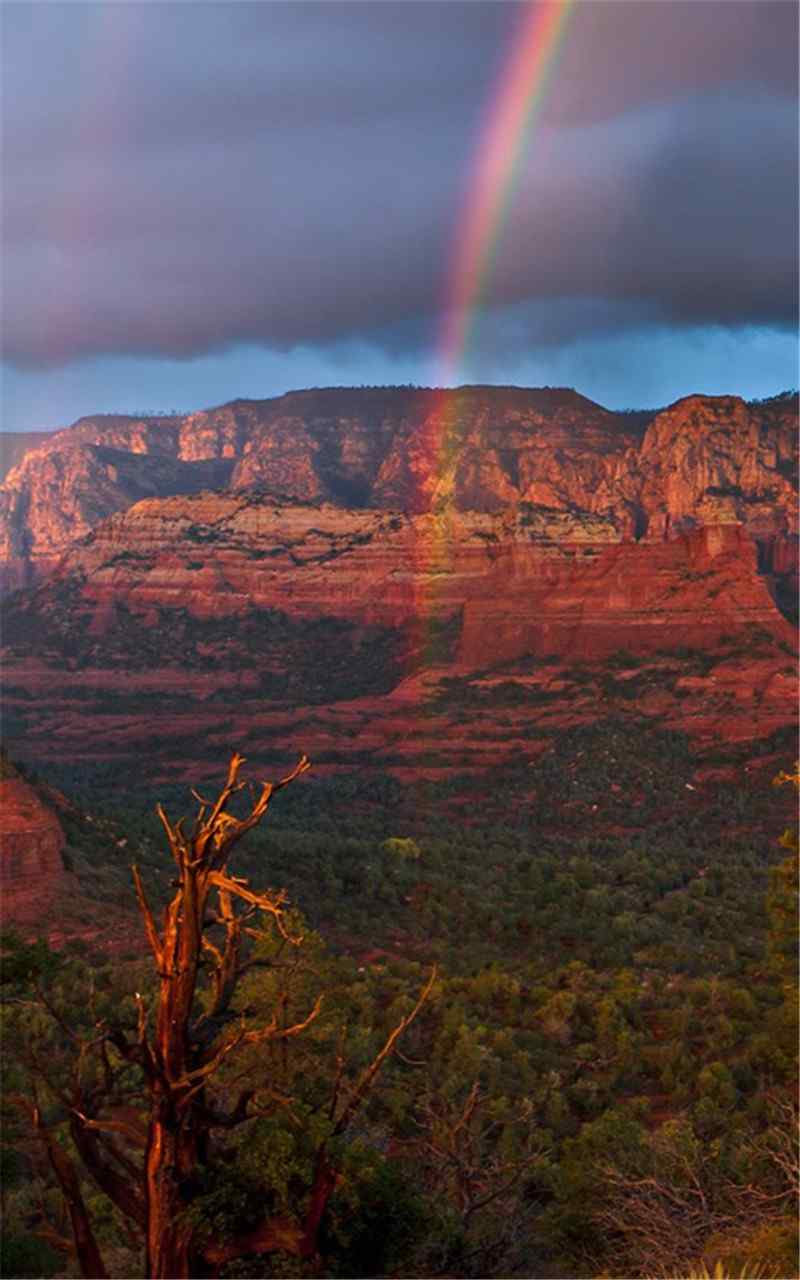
x=203, y=201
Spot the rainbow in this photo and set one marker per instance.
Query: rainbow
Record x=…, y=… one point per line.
x=519, y=92
x=502, y=141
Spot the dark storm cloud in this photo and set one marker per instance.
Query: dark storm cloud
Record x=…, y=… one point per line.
x=181, y=178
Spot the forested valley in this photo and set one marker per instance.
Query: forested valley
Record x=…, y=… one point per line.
x=436, y=1032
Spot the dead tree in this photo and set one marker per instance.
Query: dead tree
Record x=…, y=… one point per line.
x=148, y=1161
x=679, y=1198
x=66, y=1174
x=176, y=1057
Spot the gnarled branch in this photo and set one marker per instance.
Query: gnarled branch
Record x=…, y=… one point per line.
x=147, y=916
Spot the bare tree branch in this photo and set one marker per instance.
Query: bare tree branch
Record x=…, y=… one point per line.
x=147, y=916
x=372, y=1070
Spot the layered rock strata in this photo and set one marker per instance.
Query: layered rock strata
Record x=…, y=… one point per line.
x=705, y=460
x=187, y=623
x=542, y=581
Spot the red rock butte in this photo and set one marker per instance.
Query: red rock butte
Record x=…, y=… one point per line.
x=32, y=871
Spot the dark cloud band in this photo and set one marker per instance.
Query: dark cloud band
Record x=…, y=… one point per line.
x=198, y=176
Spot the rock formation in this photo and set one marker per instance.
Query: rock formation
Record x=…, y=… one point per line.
x=705, y=460
x=32, y=873
x=400, y=570
x=189, y=616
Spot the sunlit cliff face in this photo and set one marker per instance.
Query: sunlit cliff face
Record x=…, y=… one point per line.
x=588, y=564
x=704, y=461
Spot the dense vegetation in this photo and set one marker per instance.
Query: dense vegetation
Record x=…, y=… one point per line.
x=600, y=1082
x=301, y=660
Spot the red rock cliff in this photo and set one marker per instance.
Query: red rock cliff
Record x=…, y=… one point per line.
x=184, y=623
x=705, y=460
x=31, y=868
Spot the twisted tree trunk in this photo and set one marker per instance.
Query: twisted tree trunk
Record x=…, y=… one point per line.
x=177, y=1060
x=179, y=1045
x=168, y=1153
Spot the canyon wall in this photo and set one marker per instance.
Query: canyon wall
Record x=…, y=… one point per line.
x=411, y=581
x=185, y=624
x=705, y=460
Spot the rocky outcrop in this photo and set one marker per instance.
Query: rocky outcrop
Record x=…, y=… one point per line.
x=32, y=873
x=704, y=461
x=57, y=494
x=717, y=460
x=15, y=444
